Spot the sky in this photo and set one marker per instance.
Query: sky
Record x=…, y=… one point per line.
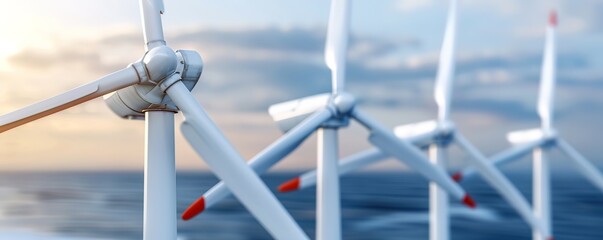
x=258, y=53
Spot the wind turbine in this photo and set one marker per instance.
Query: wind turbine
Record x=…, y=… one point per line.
x=438, y=135
x=325, y=114
x=542, y=139
x=156, y=87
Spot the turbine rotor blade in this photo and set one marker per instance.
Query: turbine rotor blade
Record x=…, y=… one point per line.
x=261, y=162
x=387, y=142
x=581, y=164
x=337, y=43
x=289, y=141
x=499, y=182
x=445, y=75
x=151, y=11
x=548, y=74
x=109, y=83
x=207, y=140
x=346, y=165
x=512, y=154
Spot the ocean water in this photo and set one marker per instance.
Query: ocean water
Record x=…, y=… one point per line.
x=108, y=205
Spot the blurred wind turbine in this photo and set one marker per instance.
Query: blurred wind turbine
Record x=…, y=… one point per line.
x=438, y=136
x=326, y=113
x=155, y=88
x=541, y=139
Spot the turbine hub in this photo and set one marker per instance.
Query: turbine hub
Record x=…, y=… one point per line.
x=344, y=102
x=160, y=63
x=446, y=127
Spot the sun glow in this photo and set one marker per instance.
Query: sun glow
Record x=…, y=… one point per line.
x=19, y=29
x=7, y=49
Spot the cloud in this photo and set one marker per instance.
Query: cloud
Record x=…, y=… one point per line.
x=40, y=58
x=523, y=19
x=586, y=13
x=272, y=43
x=410, y=5
x=306, y=41
x=79, y=55
x=574, y=18
x=505, y=7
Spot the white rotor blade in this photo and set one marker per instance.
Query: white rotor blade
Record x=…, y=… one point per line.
x=353, y=162
x=261, y=162
x=207, y=140
x=104, y=85
x=584, y=166
x=337, y=43
x=499, y=182
x=547, y=81
x=502, y=158
x=346, y=165
x=152, y=28
x=445, y=75
x=289, y=141
x=386, y=141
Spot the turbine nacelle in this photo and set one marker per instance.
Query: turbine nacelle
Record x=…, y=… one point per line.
x=422, y=133
x=531, y=135
x=156, y=67
x=291, y=113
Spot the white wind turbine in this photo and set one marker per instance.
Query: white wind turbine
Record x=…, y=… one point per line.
x=539, y=140
x=325, y=114
x=438, y=135
x=156, y=87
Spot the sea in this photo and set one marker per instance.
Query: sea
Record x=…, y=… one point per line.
x=375, y=205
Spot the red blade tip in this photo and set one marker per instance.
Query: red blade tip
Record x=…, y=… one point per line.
x=550, y=238
x=194, y=209
x=467, y=200
x=553, y=18
x=289, y=186
x=457, y=177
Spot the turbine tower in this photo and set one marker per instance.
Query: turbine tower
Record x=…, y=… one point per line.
x=437, y=135
x=538, y=141
x=326, y=114
x=155, y=88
